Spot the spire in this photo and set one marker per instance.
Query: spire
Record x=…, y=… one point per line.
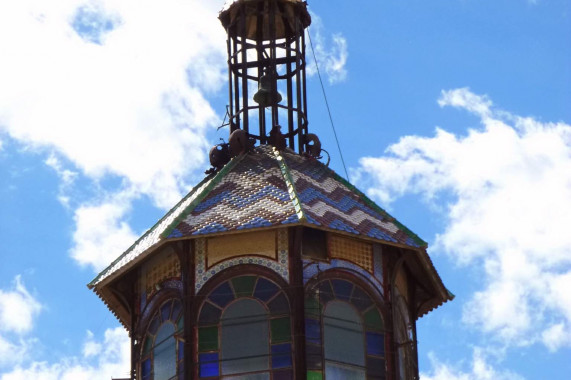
x=266, y=72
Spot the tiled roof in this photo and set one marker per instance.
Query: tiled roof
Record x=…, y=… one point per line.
x=268, y=188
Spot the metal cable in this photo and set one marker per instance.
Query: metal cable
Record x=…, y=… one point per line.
x=327, y=105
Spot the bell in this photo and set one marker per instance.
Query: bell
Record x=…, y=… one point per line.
x=265, y=97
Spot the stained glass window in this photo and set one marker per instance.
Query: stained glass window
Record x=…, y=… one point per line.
x=344, y=332
x=244, y=331
x=162, y=351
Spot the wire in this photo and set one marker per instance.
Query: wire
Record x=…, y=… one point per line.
x=327, y=104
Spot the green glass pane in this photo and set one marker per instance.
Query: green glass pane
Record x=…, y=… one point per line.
x=208, y=338
x=244, y=285
x=373, y=320
x=281, y=330
x=314, y=375
x=148, y=345
x=312, y=307
x=180, y=325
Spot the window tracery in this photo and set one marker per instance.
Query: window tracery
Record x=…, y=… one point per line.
x=244, y=331
x=162, y=350
x=344, y=332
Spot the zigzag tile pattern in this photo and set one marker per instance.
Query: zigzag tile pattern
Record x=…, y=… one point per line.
x=252, y=195
x=327, y=202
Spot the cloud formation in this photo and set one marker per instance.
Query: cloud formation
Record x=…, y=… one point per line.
x=509, y=212
x=481, y=369
x=106, y=359
x=106, y=83
x=331, y=53
x=18, y=309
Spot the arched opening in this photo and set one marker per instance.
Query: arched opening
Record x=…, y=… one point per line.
x=244, y=331
x=344, y=331
x=162, y=350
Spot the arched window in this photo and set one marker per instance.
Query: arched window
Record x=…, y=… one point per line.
x=244, y=331
x=162, y=351
x=404, y=339
x=344, y=332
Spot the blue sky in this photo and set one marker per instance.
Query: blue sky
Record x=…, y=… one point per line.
x=453, y=115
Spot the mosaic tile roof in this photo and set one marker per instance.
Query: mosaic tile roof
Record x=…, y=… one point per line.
x=268, y=188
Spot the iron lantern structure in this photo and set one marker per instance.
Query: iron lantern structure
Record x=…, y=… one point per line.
x=266, y=50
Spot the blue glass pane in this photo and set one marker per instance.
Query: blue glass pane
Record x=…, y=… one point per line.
x=265, y=289
x=342, y=289
x=208, y=364
x=281, y=355
x=176, y=309
x=154, y=325
x=146, y=369
x=180, y=351
x=312, y=331
x=209, y=314
x=375, y=344
x=279, y=305
x=337, y=371
x=325, y=292
x=164, y=353
x=360, y=299
x=166, y=311
x=222, y=295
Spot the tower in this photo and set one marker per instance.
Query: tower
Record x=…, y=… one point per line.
x=273, y=267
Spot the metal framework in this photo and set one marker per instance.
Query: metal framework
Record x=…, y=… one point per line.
x=266, y=37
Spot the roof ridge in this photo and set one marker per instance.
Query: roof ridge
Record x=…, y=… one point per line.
x=288, y=179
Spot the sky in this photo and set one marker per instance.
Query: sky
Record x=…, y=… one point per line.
x=453, y=115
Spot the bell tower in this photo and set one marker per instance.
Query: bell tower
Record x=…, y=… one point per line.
x=273, y=266
x=266, y=54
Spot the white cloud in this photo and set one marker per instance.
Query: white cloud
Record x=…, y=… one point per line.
x=509, y=211
x=480, y=369
x=67, y=178
x=331, y=54
x=106, y=107
x=14, y=351
x=101, y=233
x=91, y=347
x=17, y=308
x=111, y=360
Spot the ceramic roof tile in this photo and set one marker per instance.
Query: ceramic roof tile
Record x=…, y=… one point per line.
x=327, y=200
x=266, y=188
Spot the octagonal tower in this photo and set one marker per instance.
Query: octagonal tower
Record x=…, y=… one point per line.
x=273, y=267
